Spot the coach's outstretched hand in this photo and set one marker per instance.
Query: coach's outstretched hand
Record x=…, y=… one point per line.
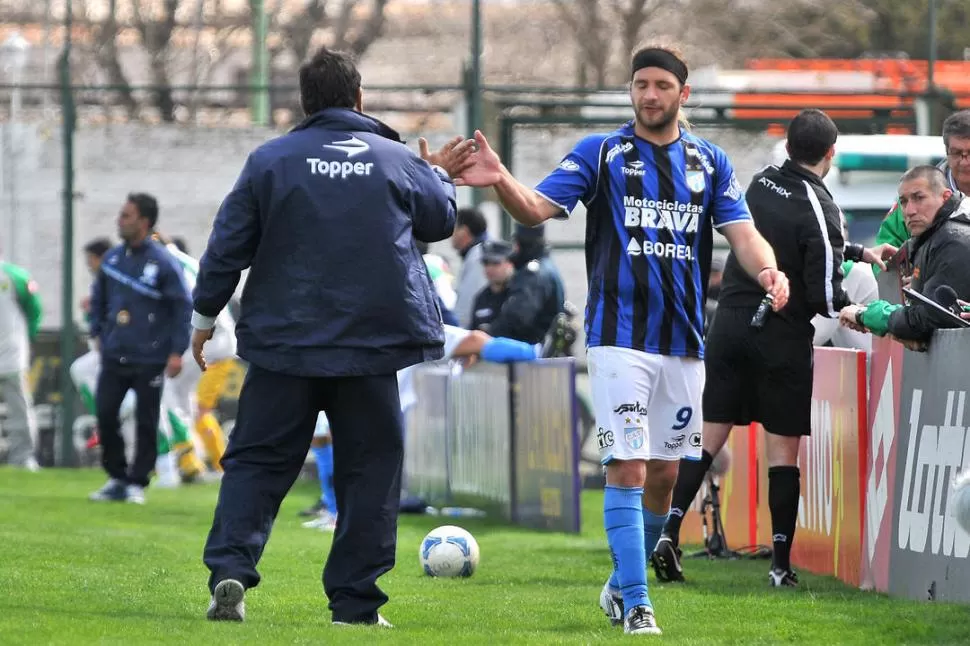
x=849, y=317
x=454, y=156
x=485, y=168
x=199, y=337
x=775, y=282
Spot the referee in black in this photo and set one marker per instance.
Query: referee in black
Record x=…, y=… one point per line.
x=760, y=363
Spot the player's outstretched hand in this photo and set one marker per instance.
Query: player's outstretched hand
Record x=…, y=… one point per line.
x=486, y=166
x=879, y=254
x=454, y=156
x=848, y=317
x=775, y=282
x=469, y=350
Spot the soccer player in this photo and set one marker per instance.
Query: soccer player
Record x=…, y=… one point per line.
x=194, y=394
x=652, y=190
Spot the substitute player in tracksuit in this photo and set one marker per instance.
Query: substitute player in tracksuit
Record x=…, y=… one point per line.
x=140, y=310
x=652, y=191
x=177, y=458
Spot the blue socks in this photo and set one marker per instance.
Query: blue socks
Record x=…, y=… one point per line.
x=324, y=458
x=653, y=525
x=623, y=519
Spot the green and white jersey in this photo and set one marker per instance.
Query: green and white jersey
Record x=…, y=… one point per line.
x=223, y=343
x=20, y=316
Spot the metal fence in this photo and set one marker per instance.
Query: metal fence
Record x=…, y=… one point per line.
x=502, y=438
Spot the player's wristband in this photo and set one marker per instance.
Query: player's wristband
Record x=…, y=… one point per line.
x=858, y=316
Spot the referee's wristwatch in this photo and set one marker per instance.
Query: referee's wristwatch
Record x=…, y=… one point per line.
x=858, y=316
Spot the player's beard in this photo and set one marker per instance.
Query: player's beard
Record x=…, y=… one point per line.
x=659, y=124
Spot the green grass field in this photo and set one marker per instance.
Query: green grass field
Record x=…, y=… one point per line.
x=76, y=572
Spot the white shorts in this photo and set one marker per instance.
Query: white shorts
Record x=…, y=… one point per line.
x=647, y=406
x=322, y=428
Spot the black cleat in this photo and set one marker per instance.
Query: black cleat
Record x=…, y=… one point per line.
x=779, y=578
x=666, y=561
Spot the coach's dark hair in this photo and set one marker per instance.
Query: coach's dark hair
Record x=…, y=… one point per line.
x=956, y=125
x=97, y=247
x=328, y=80
x=811, y=134
x=473, y=219
x=147, y=207
x=933, y=176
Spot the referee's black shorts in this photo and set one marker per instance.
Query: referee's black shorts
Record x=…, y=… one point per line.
x=758, y=375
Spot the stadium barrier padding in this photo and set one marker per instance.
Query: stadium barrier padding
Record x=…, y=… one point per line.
x=500, y=438
x=829, y=530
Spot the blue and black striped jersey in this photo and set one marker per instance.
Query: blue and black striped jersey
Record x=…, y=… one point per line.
x=649, y=239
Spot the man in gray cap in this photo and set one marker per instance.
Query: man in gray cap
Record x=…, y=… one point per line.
x=519, y=302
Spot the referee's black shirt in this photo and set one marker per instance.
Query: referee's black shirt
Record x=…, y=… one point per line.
x=796, y=214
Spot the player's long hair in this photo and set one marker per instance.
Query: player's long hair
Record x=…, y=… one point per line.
x=675, y=51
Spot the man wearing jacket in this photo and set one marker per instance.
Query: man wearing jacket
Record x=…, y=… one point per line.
x=956, y=168
x=939, y=221
x=337, y=300
x=139, y=320
x=470, y=230
x=764, y=373
x=20, y=316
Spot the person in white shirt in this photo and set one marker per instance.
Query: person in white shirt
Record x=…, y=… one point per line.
x=861, y=287
x=20, y=316
x=467, y=239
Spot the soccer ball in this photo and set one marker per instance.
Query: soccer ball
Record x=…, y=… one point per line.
x=960, y=499
x=449, y=551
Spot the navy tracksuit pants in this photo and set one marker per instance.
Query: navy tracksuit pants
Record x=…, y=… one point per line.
x=113, y=384
x=267, y=447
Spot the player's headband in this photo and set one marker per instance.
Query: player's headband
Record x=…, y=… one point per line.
x=661, y=58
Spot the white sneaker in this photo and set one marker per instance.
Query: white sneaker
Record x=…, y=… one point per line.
x=30, y=464
x=113, y=490
x=166, y=472
x=640, y=621
x=611, y=601
x=380, y=623
x=325, y=522
x=228, y=602
x=135, y=494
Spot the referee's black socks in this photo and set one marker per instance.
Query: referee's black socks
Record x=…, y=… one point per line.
x=784, y=488
x=689, y=481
